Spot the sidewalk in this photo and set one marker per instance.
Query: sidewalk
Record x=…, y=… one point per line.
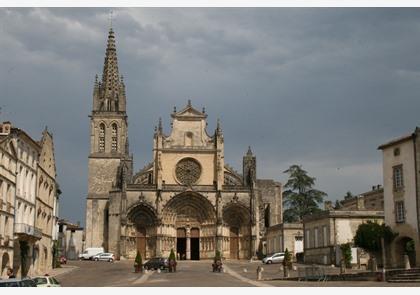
x=64, y=269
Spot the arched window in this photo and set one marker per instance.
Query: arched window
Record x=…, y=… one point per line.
x=102, y=138
x=114, y=145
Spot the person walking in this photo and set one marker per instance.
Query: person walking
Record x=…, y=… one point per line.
x=10, y=273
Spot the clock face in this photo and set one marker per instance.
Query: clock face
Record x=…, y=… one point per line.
x=188, y=171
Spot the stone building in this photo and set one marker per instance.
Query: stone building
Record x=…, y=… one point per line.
x=187, y=198
x=28, y=201
x=25, y=231
x=71, y=239
x=401, y=174
x=324, y=232
x=46, y=200
x=8, y=159
x=285, y=236
x=371, y=200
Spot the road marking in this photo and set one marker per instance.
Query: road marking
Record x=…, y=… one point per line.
x=143, y=278
x=243, y=279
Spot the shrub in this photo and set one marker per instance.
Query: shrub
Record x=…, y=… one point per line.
x=346, y=254
x=172, y=255
x=138, y=261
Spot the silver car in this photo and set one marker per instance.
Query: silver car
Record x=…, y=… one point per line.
x=104, y=257
x=274, y=258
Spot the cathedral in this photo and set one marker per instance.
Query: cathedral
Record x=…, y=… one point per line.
x=186, y=199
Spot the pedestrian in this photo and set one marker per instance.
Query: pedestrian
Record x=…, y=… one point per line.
x=10, y=273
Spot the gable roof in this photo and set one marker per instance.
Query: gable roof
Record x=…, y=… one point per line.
x=189, y=113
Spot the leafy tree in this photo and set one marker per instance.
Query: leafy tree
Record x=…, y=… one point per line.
x=346, y=254
x=300, y=198
x=138, y=261
x=368, y=236
x=348, y=195
x=218, y=256
x=337, y=205
x=172, y=255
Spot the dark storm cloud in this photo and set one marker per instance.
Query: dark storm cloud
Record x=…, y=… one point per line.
x=318, y=87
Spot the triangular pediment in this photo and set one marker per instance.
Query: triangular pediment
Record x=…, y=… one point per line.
x=189, y=113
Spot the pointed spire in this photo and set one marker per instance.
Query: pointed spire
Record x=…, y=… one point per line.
x=111, y=82
x=249, y=152
x=218, y=127
x=127, y=147
x=160, y=125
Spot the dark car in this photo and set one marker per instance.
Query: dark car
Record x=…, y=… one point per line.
x=17, y=283
x=156, y=263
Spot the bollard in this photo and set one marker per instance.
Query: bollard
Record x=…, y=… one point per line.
x=406, y=262
x=259, y=273
x=342, y=267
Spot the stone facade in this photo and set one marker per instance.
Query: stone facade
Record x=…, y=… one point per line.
x=46, y=201
x=285, y=236
x=324, y=232
x=71, y=239
x=371, y=200
x=28, y=200
x=401, y=174
x=8, y=159
x=187, y=198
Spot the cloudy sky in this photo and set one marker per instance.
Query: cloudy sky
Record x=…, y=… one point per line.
x=318, y=87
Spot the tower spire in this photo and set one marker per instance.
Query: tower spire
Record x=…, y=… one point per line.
x=112, y=92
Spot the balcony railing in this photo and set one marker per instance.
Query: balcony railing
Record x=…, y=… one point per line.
x=28, y=230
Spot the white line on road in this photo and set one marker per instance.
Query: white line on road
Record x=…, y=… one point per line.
x=143, y=278
x=243, y=279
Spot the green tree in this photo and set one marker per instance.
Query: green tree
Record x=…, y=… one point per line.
x=172, y=255
x=346, y=254
x=337, y=205
x=300, y=198
x=368, y=236
x=138, y=262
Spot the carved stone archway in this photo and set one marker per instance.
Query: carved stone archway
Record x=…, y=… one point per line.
x=237, y=228
x=142, y=229
x=194, y=215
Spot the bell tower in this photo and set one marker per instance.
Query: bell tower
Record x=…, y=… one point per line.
x=108, y=145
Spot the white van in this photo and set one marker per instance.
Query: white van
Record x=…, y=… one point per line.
x=90, y=252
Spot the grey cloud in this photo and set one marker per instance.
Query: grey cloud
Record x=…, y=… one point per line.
x=318, y=87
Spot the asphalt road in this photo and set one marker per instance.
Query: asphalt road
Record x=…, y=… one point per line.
x=190, y=274
x=121, y=274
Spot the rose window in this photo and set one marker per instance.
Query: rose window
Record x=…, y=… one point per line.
x=188, y=171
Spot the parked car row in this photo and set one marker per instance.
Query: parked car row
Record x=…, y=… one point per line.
x=42, y=281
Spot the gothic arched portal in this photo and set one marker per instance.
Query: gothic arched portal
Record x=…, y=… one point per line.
x=143, y=221
x=192, y=219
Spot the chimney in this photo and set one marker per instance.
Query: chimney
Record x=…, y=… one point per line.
x=328, y=205
x=360, y=203
x=5, y=127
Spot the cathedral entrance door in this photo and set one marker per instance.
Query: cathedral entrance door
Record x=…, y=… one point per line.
x=141, y=241
x=195, y=244
x=234, y=243
x=181, y=243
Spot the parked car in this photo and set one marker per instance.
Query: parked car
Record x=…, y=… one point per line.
x=104, y=256
x=156, y=263
x=26, y=282
x=46, y=281
x=90, y=252
x=274, y=258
